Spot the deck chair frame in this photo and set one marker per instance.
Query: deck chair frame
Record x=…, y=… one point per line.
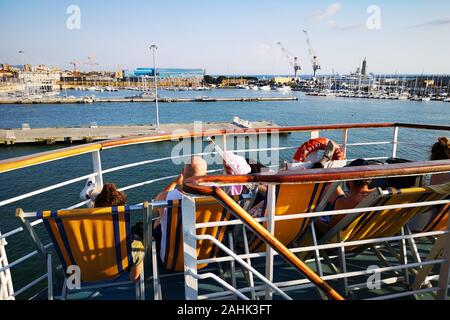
x=47, y=254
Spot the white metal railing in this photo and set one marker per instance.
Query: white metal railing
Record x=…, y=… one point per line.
x=98, y=172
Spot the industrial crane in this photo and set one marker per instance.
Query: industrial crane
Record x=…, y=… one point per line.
x=75, y=63
x=293, y=61
x=90, y=62
x=314, y=61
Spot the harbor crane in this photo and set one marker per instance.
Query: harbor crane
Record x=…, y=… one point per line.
x=314, y=61
x=74, y=64
x=90, y=62
x=293, y=61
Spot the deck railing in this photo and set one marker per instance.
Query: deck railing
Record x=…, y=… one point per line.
x=96, y=149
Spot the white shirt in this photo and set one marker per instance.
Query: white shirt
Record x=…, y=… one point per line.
x=174, y=194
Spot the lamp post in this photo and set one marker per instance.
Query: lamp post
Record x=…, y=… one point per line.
x=22, y=53
x=25, y=88
x=153, y=48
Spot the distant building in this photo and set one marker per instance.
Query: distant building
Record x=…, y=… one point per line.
x=41, y=79
x=364, y=68
x=282, y=80
x=232, y=82
x=168, y=76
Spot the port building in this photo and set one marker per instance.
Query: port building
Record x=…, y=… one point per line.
x=167, y=76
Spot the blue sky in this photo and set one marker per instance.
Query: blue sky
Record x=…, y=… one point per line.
x=229, y=37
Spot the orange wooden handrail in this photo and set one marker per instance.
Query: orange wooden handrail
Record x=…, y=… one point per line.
x=322, y=175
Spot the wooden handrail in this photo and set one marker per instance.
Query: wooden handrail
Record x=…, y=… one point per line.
x=42, y=157
x=197, y=185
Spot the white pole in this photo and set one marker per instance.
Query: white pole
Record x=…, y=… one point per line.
x=154, y=47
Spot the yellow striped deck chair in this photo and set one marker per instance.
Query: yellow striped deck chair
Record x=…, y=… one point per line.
x=97, y=240
x=381, y=223
x=292, y=199
x=207, y=210
x=440, y=221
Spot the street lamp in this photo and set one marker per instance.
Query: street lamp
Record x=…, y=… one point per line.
x=22, y=53
x=153, y=48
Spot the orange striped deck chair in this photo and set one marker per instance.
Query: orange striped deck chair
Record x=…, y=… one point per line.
x=440, y=221
x=207, y=210
x=292, y=199
x=97, y=240
x=381, y=223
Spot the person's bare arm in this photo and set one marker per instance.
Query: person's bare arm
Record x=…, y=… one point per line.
x=340, y=204
x=162, y=196
x=173, y=184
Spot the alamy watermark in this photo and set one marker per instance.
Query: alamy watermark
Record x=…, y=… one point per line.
x=260, y=147
x=373, y=22
x=73, y=21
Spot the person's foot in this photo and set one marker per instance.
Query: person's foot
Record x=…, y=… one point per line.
x=328, y=153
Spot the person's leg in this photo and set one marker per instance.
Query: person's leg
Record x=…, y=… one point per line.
x=137, y=254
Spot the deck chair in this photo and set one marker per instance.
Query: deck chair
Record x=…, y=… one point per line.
x=293, y=199
x=379, y=223
x=97, y=240
x=208, y=209
x=440, y=221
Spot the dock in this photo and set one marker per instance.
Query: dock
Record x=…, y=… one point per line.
x=69, y=100
x=69, y=135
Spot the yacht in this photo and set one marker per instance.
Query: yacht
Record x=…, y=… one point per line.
x=284, y=89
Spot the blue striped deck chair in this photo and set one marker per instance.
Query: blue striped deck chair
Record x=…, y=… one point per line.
x=294, y=199
x=385, y=222
x=381, y=223
x=207, y=210
x=97, y=240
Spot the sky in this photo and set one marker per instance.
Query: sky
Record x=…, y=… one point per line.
x=229, y=37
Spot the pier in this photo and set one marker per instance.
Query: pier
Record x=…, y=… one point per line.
x=69, y=135
x=68, y=100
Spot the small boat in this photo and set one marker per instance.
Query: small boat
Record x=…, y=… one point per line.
x=284, y=89
x=265, y=88
x=254, y=87
x=143, y=95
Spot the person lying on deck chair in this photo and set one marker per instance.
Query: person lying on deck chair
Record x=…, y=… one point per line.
x=195, y=167
x=110, y=196
x=357, y=191
x=440, y=151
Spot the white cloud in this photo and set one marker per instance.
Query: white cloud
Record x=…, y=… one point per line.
x=330, y=11
x=432, y=23
x=333, y=25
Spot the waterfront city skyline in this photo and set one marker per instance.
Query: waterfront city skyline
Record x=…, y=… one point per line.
x=230, y=37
